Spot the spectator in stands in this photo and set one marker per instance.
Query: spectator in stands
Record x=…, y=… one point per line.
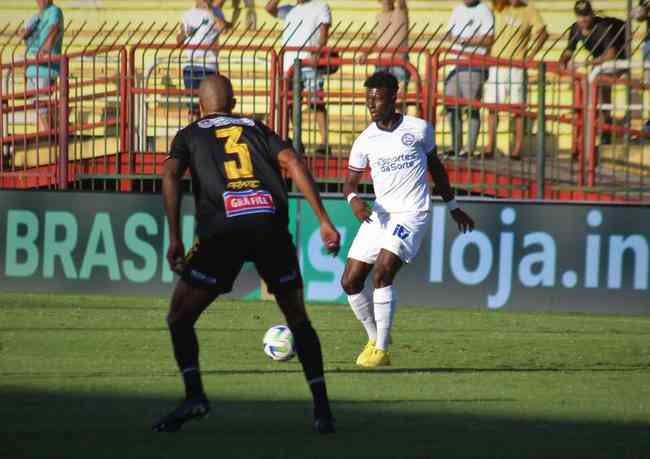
x=251, y=15
x=521, y=34
x=604, y=38
x=471, y=29
x=307, y=25
x=391, y=33
x=200, y=26
x=43, y=35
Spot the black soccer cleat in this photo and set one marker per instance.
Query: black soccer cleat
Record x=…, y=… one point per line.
x=325, y=425
x=194, y=408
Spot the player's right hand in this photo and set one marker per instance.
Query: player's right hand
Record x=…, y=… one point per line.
x=176, y=256
x=330, y=237
x=361, y=209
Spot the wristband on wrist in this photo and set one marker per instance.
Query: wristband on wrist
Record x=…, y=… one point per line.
x=452, y=205
x=351, y=196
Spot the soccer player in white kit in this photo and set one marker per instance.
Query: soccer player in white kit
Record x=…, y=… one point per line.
x=399, y=150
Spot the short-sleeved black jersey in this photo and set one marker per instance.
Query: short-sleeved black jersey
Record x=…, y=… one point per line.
x=607, y=32
x=236, y=177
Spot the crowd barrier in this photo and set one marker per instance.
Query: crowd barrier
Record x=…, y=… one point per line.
x=120, y=99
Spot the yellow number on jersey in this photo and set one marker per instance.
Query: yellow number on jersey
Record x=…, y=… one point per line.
x=233, y=147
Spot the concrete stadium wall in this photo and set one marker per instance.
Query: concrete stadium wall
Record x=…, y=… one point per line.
x=523, y=256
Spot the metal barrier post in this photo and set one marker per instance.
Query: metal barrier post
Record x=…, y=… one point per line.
x=64, y=116
x=541, y=129
x=125, y=119
x=297, y=112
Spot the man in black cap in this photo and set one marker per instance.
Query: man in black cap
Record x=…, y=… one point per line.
x=604, y=38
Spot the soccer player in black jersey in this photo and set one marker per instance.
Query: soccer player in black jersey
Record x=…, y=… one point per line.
x=242, y=215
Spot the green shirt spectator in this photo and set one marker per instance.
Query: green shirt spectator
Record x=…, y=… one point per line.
x=44, y=37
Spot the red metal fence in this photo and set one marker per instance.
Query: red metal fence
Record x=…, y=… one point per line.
x=121, y=97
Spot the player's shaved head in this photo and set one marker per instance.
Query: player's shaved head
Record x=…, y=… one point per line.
x=216, y=95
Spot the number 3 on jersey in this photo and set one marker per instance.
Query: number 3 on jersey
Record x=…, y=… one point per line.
x=234, y=147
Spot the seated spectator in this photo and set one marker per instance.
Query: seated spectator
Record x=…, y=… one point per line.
x=200, y=26
x=307, y=26
x=521, y=34
x=391, y=33
x=43, y=35
x=604, y=38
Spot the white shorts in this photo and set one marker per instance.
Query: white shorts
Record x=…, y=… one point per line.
x=400, y=233
x=505, y=85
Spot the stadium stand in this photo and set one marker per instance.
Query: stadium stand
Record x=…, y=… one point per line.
x=125, y=101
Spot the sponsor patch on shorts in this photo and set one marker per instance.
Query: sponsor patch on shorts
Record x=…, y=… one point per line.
x=202, y=277
x=248, y=202
x=401, y=232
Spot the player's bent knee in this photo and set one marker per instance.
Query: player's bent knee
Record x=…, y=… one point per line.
x=351, y=286
x=177, y=321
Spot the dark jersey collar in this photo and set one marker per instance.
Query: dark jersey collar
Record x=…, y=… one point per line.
x=398, y=124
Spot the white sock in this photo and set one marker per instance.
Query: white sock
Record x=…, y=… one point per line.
x=384, y=299
x=361, y=304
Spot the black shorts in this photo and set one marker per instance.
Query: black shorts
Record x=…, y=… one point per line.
x=214, y=264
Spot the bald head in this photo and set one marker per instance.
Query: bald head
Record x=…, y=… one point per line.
x=216, y=95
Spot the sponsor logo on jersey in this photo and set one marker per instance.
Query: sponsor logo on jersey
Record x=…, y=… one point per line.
x=221, y=121
x=243, y=184
x=408, y=139
x=401, y=232
x=394, y=163
x=248, y=202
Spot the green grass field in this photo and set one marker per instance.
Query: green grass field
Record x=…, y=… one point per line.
x=83, y=377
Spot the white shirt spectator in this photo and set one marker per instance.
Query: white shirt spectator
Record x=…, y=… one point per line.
x=469, y=22
x=302, y=24
x=199, y=26
x=398, y=164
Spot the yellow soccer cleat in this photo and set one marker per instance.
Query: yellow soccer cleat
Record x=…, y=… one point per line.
x=378, y=358
x=367, y=350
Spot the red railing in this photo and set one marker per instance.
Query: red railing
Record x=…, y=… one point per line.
x=141, y=97
x=501, y=182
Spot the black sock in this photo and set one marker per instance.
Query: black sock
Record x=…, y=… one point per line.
x=311, y=358
x=186, y=351
x=193, y=383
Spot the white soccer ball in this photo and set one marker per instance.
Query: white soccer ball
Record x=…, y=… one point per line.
x=278, y=343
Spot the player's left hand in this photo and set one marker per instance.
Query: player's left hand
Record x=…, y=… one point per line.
x=464, y=221
x=331, y=238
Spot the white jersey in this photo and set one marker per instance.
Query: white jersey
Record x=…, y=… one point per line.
x=199, y=26
x=398, y=164
x=300, y=28
x=470, y=22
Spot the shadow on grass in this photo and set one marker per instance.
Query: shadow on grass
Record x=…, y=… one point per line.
x=97, y=425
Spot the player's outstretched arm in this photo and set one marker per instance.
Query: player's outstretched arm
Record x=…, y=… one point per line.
x=301, y=176
x=173, y=170
x=359, y=207
x=442, y=187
